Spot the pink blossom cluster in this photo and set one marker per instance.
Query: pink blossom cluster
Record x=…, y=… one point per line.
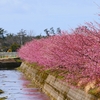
x=77, y=53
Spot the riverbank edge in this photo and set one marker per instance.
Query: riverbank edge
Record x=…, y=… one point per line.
x=54, y=87
x=10, y=63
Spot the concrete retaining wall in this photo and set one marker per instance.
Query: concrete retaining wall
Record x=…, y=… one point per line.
x=8, y=54
x=53, y=87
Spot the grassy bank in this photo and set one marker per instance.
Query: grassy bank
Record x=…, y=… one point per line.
x=2, y=98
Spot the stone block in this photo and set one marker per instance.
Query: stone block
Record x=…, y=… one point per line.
x=50, y=79
x=63, y=88
x=51, y=91
x=60, y=97
x=76, y=94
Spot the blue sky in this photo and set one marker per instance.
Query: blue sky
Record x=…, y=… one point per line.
x=37, y=15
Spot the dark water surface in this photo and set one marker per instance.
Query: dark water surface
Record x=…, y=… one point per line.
x=14, y=85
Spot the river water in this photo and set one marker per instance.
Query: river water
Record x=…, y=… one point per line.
x=14, y=85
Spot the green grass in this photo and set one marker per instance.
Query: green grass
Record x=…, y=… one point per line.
x=95, y=91
x=17, y=59
x=3, y=98
x=1, y=91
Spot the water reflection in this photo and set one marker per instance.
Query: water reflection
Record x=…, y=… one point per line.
x=13, y=83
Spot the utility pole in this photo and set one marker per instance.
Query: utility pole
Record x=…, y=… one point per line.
x=21, y=35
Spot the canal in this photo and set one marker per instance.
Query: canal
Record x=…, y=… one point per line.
x=15, y=87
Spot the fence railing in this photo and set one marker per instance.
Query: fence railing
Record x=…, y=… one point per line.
x=8, y=54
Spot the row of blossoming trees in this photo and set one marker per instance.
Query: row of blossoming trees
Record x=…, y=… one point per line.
x=76, y=54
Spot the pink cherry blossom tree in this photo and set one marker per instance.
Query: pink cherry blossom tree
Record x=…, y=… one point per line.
x=77, y=54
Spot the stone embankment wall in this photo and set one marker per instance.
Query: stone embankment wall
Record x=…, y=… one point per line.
x=53, y=87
